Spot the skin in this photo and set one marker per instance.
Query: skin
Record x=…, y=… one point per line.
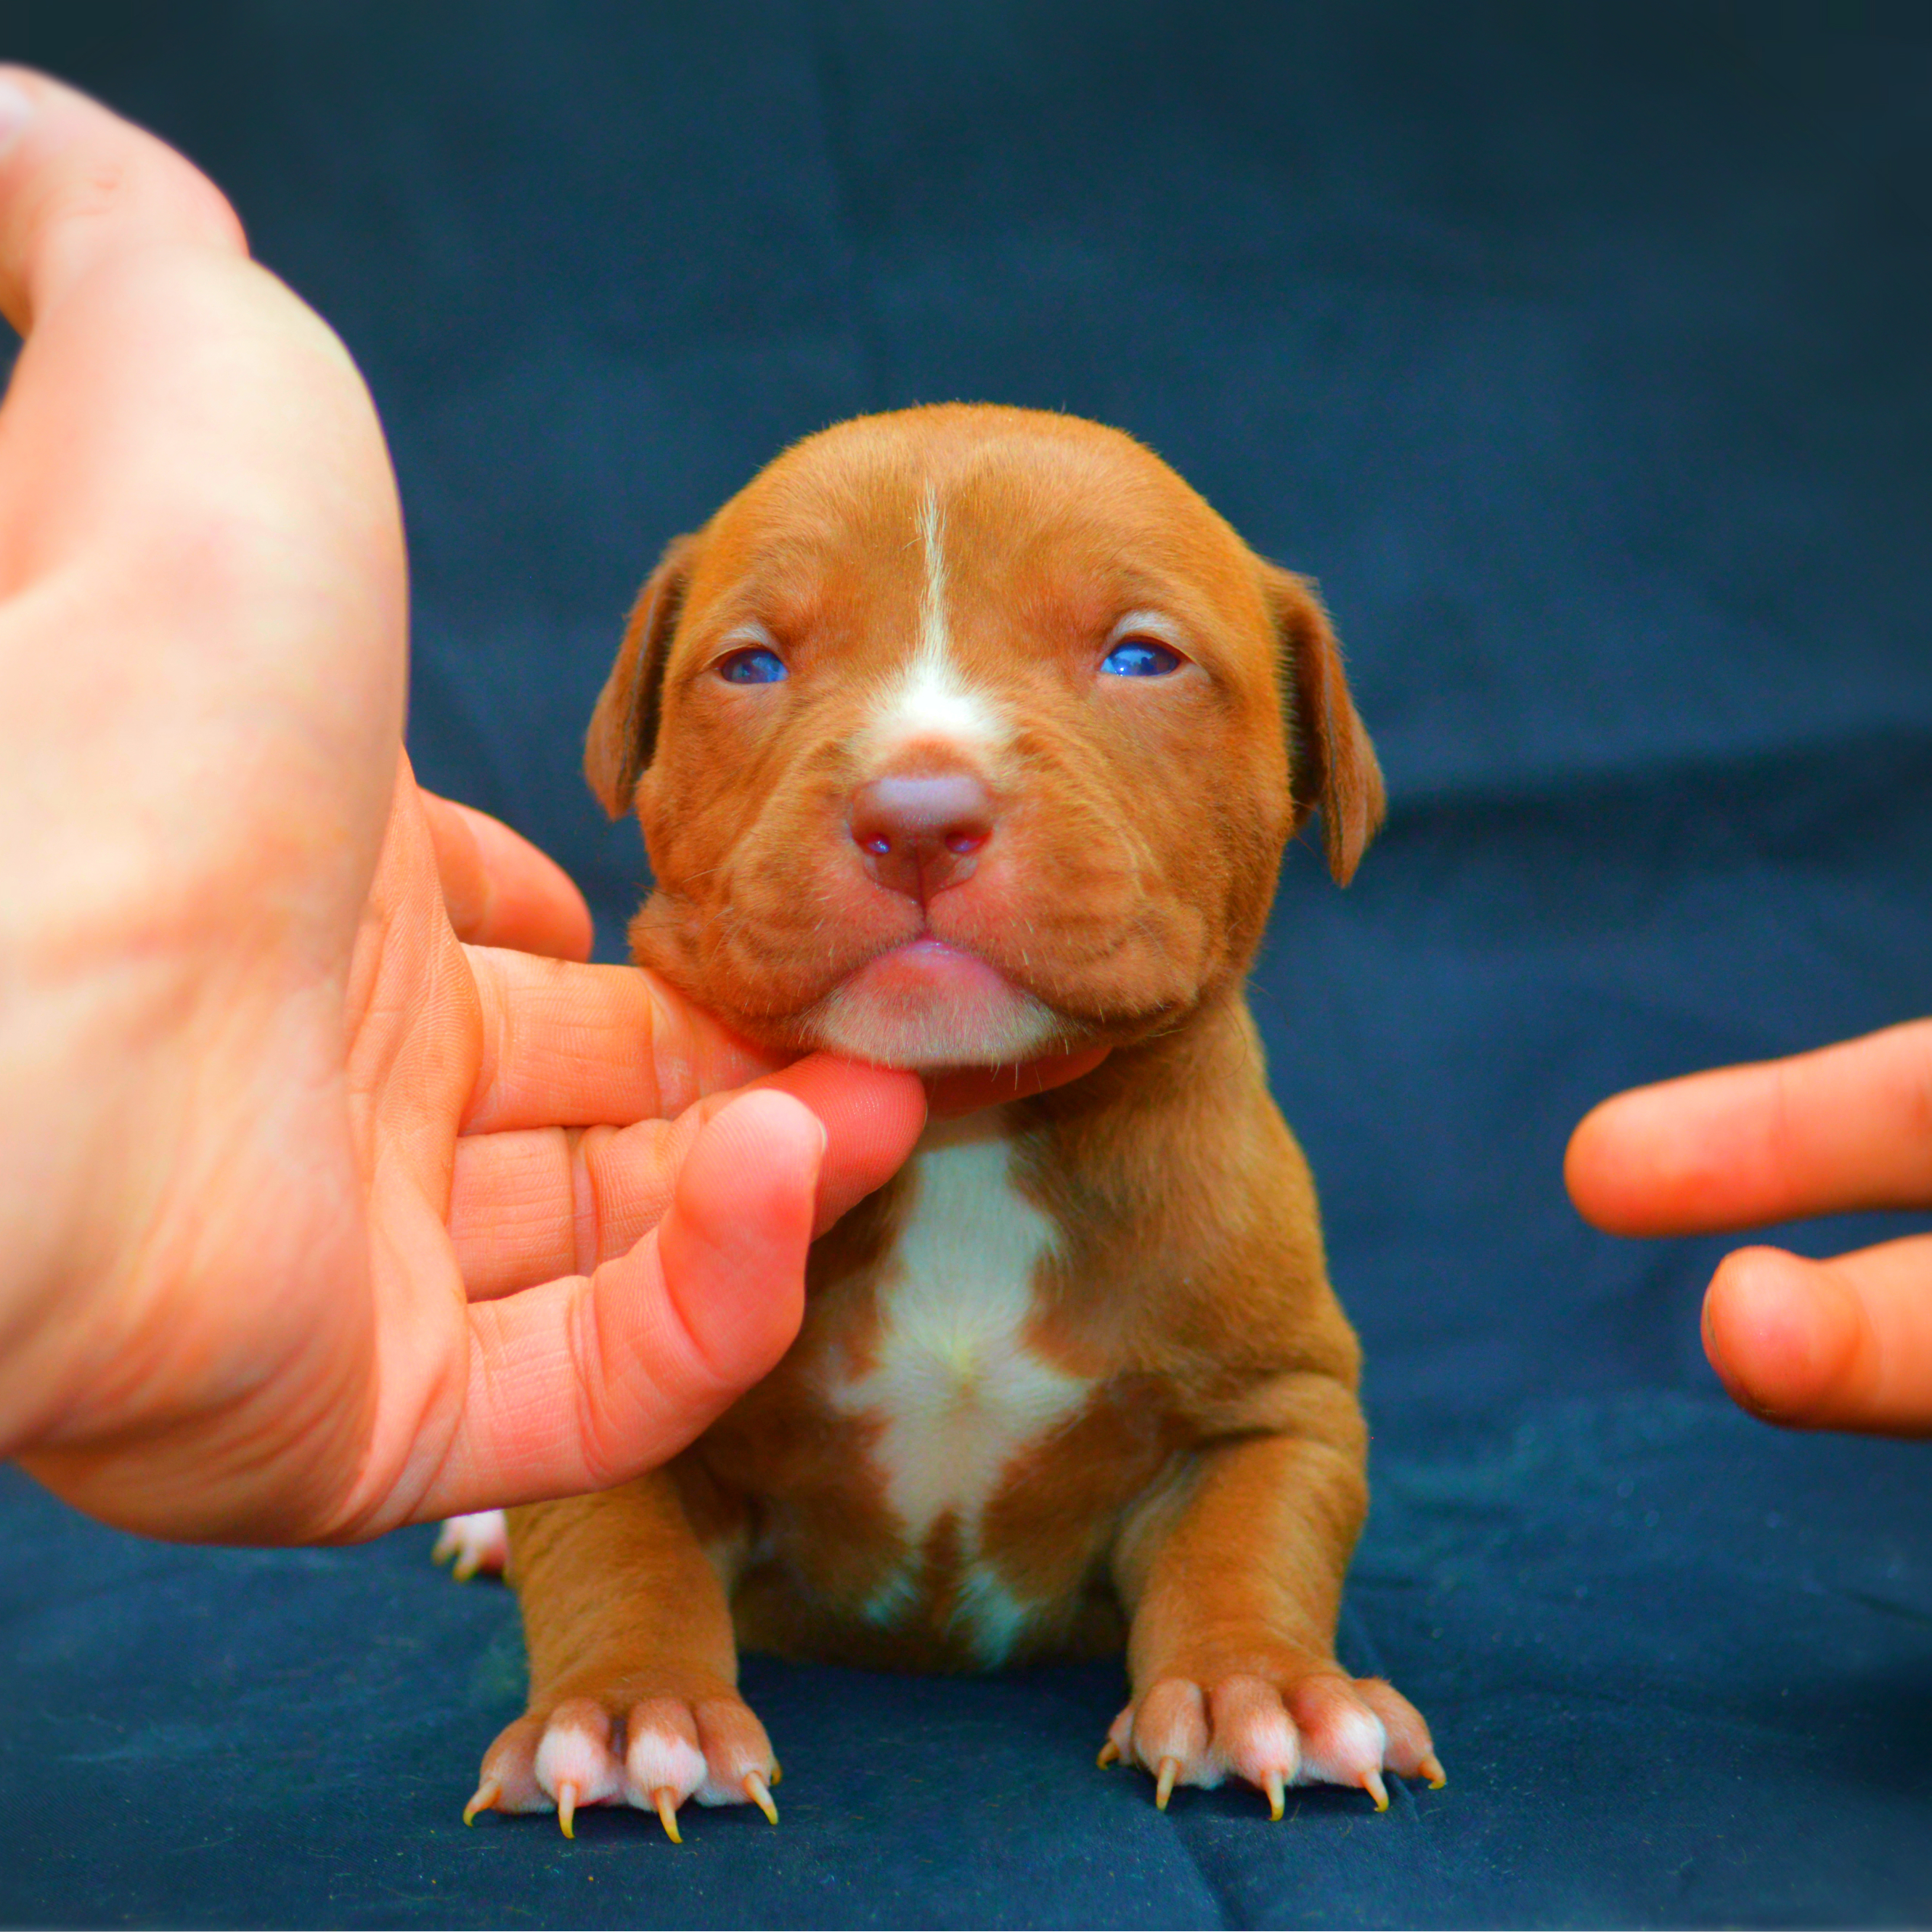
x=1845, y=1343
x=316, y=1218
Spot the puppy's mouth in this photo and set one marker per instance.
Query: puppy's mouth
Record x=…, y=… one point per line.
x=927, y=1003
x=930, y=970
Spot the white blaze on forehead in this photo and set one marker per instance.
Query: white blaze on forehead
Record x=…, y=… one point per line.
x=929, y=698
x=933, y=641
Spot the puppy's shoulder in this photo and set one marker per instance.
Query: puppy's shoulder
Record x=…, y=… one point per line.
x=1178, y=1188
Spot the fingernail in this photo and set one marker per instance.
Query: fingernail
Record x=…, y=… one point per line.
x=17, y=109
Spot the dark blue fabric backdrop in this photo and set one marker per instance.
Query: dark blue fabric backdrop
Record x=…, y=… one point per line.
x=1583, y=354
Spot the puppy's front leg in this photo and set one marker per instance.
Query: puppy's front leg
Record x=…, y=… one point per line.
x=634, y=1669
x=1231, y=1572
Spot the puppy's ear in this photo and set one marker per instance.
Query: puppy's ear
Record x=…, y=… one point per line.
x=1333, y=764
x=624, y=726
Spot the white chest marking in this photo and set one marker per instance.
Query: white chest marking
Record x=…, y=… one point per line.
x=929, y=699
x=957, y=1393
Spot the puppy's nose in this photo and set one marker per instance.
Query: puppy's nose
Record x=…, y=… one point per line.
x=918, y=835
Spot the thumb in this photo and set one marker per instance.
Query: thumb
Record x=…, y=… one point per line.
x=1840, y=1344
x=582, y=1383
x=731, y=1250
x=79, y=185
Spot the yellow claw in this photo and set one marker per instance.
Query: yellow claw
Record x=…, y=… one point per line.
x=755, y=1790
x=488, y=1793
x=465, y=1566
x=566, y=1808
x=1431, y=1768
x=1163, y=1787
x=665, y=1799
x=1110, y=1753
x=777, y=1771
x=1372, y=1782
x=1271, y=1784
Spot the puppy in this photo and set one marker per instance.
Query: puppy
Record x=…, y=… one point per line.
x=962, y=736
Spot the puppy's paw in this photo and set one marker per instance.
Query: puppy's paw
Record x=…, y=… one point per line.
x=650, y=1752
x=478, y=1542
x=1318, y=1728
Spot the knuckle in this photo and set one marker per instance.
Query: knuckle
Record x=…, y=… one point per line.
x=143, y=189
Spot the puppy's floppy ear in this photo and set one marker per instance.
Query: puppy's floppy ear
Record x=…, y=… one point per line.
x=1333, y=764
x=624, y=726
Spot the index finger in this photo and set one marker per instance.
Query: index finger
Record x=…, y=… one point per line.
x=584, y=1046
x=1845, y=1128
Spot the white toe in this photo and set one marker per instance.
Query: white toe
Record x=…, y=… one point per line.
x=659, y=1759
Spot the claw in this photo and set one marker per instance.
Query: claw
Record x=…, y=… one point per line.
x=1163, y=1789
x=467, y=1563
x=1271, y=1784
x=488, y=1793
x=1431, y=1768
x=777, y=1771
x=1372, y=1782
x=566, y=1808
x=1110, y=1753
x=755, y=1790
x=665, y=1799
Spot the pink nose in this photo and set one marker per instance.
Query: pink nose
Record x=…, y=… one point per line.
x=918, y=835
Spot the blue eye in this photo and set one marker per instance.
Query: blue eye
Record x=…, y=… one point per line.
x=1138, y=657
x=757, y=666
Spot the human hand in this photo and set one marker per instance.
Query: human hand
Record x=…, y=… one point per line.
x=1840, y=1344
x=256, y=1097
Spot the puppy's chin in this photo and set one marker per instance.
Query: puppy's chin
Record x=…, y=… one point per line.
x=926, y=1005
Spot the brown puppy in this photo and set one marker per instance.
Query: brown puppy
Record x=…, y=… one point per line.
x=961, y=737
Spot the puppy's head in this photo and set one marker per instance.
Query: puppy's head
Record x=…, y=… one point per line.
x=967, y=734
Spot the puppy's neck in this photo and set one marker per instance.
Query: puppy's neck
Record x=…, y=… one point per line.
x=982, y=1128
x=1214, y=1048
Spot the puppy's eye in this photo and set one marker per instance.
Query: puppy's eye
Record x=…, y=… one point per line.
x=1140, y=657
x=755, y=666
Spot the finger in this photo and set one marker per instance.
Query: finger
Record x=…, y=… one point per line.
x=191, y=468
x=1842, y=1344
x=500, y=889
x=521, y=1207
x=576, y=1045
x=968, y=1089
x=1848, y=1127
x=581, y=1383
x=872, y=1116
x=525, y=1207
x=79, y=185
x=151, y=341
